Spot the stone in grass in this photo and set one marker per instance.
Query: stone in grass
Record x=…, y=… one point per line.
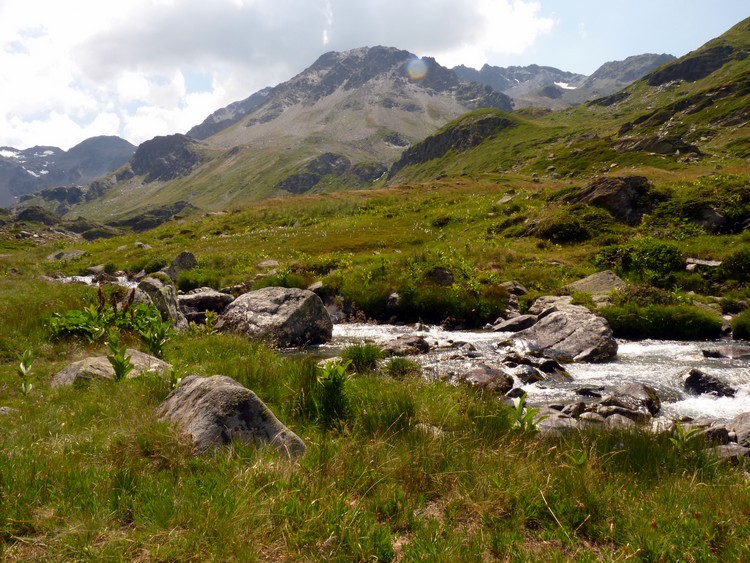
x=98, y=367
x=213, y=411
x=284, y=316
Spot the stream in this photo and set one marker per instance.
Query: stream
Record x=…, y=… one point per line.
x=658, y=363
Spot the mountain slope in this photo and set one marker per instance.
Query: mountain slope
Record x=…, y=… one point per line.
x=688, y=116
x=337, y=125
x=26, y=171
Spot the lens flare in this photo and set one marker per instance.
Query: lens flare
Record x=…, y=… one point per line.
x=416, y=69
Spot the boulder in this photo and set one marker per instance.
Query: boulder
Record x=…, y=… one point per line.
x=284, y=316
x=183, y=262
x=569, y=333
x=164, y=298
x=489, y=379
x=514, y=288
x=205, y=299
x=515, y=324
x=600, y=283
x=407, y=345
x=213, y=411
x=98, y=367
x=732, y=352
x=635, y=396
x=553, y=422
x=733, y=453
x=740, y=425
x=701, y=383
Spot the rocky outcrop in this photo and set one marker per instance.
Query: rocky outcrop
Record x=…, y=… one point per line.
x=693, y=67
x=98, y=367
x=214, y=411
x=283, y=316
x=164, y=298
x=667, y=145
x=155, y=216
x=165, y=158
x=567, y=333
x=465, y=135
x=626, y=198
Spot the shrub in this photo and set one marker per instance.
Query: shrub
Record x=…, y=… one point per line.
x=198, y=277
x=643, y=295
x=741, y=326
x=669, y=322
x=399, y=367
x=363, y=357
x=649, y=260
x=737, y=266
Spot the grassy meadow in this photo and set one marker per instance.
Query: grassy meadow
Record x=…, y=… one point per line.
x=405, y=470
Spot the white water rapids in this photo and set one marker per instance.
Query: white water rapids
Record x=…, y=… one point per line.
x=660, y=364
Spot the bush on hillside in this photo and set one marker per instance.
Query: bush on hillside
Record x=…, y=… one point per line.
x=665, y=322
x=648, y=260
x=741, y=326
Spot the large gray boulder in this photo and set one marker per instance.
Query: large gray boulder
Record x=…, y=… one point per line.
x=183, y=262
x=164, y=298
x=213, y=411
x=98, y=367
x=740, y=425
x=600, y=283
x=567, y=333
x=283, y=316
x=486, y=378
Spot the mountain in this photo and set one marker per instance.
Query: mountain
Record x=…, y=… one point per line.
x=687, y=117
x=339, y=124
x=26, y=171
x=544, y=86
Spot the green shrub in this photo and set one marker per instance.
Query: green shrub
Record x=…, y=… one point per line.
x=669, y=322
x=399, y=367
x=648, y=260
x=732, y=306
x=741, y=326
x=363, y=357
x=737, y=266
x=197, y=277
x=643, y=295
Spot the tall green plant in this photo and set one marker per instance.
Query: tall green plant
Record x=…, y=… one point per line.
x=332, y=400
x=118, y=356
x=24, y=371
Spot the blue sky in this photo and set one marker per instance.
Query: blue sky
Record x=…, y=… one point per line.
x=143, y=68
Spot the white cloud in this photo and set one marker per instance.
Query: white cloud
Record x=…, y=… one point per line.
x=122, y=68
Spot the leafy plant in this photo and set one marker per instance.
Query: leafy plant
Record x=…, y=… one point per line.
x=24, y=371
x=682, y=437
x=118, y=356
x=156, y=335
x=175, y=378
x=332, y=400
x=524, y=417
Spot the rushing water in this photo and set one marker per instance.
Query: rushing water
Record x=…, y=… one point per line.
x=660, y=364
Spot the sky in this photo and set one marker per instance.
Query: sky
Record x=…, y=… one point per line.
x=74, y=69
